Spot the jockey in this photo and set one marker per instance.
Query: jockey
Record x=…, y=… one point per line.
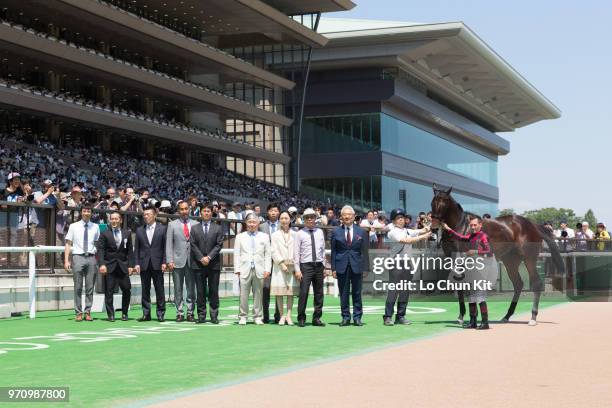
x=478, y=243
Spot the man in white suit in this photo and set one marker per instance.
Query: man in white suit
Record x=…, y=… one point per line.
x=252, y=262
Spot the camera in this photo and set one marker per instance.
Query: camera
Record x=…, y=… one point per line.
x=564, y=234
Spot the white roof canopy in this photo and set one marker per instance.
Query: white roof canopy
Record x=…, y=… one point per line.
x=450, y=59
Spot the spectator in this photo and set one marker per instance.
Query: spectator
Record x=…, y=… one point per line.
x=583, y=233
x=565, y=236
x=602, y=235
x=331, y=218
x=371, y=224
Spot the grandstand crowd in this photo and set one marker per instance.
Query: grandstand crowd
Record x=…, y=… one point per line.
x=67, y=176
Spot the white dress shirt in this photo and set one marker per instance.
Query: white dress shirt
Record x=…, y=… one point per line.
x=150, y=229
x=75, y=234
x=303, y=247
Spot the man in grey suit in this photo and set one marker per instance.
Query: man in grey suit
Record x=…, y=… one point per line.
x=269, y=227
x=178, y=257
x=206, y=244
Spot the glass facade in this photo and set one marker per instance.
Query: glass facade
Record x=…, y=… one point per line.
x=411, y=142
x=418, y=197
x=350, y=133
x=381, y=132
x=387, y=193
x=267, y=171
x=361, y=192
x=378, y=131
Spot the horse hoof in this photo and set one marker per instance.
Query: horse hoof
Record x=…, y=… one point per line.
x=532, y=322
x=505, y=320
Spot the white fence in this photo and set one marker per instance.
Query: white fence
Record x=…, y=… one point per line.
x=32, y=251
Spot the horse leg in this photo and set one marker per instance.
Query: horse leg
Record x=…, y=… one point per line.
x=536, y=285
x=461, y=298
x=512, y=267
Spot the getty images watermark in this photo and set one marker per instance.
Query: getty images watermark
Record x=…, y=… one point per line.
x=465, y=273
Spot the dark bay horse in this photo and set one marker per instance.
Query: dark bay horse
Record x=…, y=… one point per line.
x=514, y=239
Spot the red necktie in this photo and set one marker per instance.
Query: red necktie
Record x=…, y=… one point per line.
x=186, y=231
x=348, y=236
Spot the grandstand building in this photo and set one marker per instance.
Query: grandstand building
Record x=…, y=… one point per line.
x=211, y=83
x=393, y=107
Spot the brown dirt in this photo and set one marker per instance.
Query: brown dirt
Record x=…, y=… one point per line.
x=564, y=361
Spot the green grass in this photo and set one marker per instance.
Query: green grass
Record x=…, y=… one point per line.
x=124, y=370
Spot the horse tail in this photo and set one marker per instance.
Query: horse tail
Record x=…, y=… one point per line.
x=548, y=237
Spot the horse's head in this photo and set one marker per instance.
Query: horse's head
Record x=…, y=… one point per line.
x=441, y=203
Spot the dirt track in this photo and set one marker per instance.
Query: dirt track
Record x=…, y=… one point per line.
x=565, y=361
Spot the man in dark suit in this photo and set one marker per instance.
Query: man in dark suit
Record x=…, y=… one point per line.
x=349, y=260
x=150, y=263
x=206, y=242
x=114, y=261
x=270, y=227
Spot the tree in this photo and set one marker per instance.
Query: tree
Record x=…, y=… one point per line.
x=507, y=211
x=589, y=217
x=553, y=215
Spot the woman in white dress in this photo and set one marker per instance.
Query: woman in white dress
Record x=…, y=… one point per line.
x=283, y=284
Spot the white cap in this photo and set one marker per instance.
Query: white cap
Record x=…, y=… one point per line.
x=292, y=209
x=585, y=224
x=13, y=175
x=47, y=182
x=308, y=212
x=165, y=204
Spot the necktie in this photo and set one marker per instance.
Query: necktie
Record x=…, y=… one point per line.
x=117, y=237
x=273, y=227
x=150, y=233
x=312, y=244
x=85, y=239
x=186, y=230
x=348, y=236
x=206, y=229
x=252, y=235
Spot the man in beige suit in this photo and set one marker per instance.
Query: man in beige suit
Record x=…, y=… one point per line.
x=252, y=262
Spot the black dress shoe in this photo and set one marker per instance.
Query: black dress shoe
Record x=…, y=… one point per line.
x=357, y=322
x=201, y=320
x=214, y=320
x=387, y=321
x=345, y=322
x=111, y=318
x=190, y=318
x=144, y=319
x=301, y=323
x=318, y=323
x=483, y=326
x=161, y=319
x=180, y=318
x=266, y=320
x=125, y=318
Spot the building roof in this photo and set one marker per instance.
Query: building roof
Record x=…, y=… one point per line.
x=310, y=6
x=449, y=58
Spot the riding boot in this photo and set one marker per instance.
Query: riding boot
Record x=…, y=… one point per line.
x=473, y=316
x=472, y=323
x=484, y=314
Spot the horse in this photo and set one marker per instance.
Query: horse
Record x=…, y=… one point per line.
x=513, y=238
